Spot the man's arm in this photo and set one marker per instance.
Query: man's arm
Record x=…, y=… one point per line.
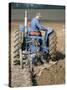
x=38, y=26
x=44, y=28
x=41, y=27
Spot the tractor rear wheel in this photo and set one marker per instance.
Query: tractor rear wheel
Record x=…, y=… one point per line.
x=17, y=45
x=52, y=45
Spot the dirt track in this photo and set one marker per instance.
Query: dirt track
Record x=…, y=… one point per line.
x=53, y=75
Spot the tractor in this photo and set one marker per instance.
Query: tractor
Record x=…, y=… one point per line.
x=29, y=51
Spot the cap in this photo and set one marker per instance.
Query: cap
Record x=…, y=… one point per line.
x=38, y=14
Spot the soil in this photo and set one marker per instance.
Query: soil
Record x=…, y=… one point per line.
x=53, y=75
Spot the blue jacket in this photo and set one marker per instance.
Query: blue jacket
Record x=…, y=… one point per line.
x=35, y=24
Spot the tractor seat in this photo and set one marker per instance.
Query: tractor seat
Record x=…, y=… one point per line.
x=35, y=33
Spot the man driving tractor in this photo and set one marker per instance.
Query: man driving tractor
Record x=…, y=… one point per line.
x=36, y=28
x=34, y=32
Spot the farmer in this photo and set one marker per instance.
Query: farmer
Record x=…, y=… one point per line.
x=36, y=27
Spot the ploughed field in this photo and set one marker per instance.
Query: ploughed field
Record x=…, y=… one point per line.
x=53, y=75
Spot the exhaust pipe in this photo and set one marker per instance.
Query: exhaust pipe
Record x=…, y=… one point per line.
x=25, y=23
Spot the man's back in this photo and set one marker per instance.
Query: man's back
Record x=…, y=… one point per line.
x=35, y=24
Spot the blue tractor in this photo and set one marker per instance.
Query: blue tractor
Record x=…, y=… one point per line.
x=34, y=49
